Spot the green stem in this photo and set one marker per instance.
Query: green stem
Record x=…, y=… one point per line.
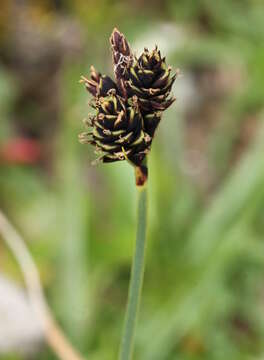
x=136, y=279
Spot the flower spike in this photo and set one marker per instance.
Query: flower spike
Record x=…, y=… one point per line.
x=128, y=111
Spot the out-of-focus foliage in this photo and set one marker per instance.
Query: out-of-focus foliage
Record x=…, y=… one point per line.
x=203, y=290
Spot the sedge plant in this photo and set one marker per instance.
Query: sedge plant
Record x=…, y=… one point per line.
x=122, y=127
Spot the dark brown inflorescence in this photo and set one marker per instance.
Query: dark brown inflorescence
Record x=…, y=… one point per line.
x=129, y=109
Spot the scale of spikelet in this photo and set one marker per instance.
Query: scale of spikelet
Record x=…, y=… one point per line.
x=98, y=84
x=117, y=130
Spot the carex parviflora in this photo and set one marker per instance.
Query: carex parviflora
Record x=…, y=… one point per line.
x=129, y=108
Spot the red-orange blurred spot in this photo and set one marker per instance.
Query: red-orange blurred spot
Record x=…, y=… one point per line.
x=20, y=151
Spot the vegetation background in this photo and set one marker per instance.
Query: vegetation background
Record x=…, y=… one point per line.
x=203, y=295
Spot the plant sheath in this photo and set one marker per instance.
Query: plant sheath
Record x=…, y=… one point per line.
x=136, y=280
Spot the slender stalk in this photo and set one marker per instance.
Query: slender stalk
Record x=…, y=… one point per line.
x=136, y=279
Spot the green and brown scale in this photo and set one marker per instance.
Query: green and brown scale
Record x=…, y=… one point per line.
x=129, y=109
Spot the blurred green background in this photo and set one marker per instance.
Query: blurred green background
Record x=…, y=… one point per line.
x=203, y=295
